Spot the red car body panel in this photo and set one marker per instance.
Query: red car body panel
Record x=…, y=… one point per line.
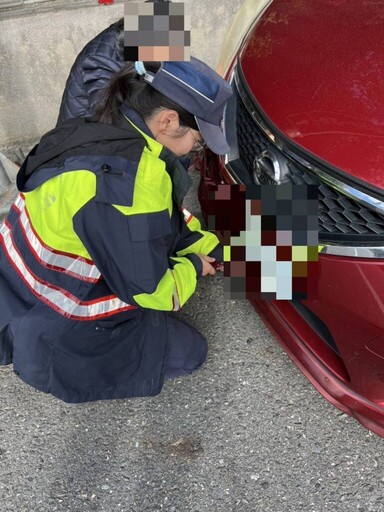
x=327, y=57
x=337, y=391
x=315, y=70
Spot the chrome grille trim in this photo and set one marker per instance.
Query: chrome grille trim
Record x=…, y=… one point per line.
x=353, y=193
x=353, y=252
x=233, y=163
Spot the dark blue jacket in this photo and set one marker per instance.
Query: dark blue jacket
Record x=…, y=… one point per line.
x=73, y=280
x=94, y=66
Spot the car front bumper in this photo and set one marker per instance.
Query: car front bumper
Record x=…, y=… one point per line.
x=336, y=339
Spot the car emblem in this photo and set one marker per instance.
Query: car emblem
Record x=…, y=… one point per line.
x=270, y=168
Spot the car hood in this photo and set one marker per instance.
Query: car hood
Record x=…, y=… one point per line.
x=316, y=69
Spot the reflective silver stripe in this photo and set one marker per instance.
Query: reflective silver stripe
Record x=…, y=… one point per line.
x=175, y=295
x=353, y=252
x=19, y=202
x=187, y=216
x=176, y=302
x=58, y=299
x=76, y=266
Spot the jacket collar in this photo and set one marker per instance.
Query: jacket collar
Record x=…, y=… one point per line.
x=181, y=181
x=134, y=118
x=80, y=138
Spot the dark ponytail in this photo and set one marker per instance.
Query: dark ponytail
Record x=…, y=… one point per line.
x=129, y=87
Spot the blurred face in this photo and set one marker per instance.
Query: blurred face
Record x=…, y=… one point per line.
x=165, y=126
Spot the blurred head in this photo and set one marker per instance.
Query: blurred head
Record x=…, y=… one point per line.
x=119, y=25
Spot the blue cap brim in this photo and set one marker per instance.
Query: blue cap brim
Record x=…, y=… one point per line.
x=213, y=136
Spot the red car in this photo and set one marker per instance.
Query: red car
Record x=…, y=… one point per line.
x=308, y=107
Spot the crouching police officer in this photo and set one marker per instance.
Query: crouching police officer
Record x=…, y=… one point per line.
x=96, y=249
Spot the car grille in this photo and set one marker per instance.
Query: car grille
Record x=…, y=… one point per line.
x=340, y=217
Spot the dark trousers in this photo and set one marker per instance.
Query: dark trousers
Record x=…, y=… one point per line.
x=187, y=349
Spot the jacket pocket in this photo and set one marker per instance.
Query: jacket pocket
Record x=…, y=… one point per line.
x=116, y=326
x=149, y=238
x=149, y=226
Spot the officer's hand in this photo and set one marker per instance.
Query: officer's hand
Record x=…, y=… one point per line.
x=207, y=267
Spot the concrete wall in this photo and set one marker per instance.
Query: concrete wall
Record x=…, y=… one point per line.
x=37, y=49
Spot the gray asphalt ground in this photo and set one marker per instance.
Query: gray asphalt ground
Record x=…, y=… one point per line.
x=246, y=433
